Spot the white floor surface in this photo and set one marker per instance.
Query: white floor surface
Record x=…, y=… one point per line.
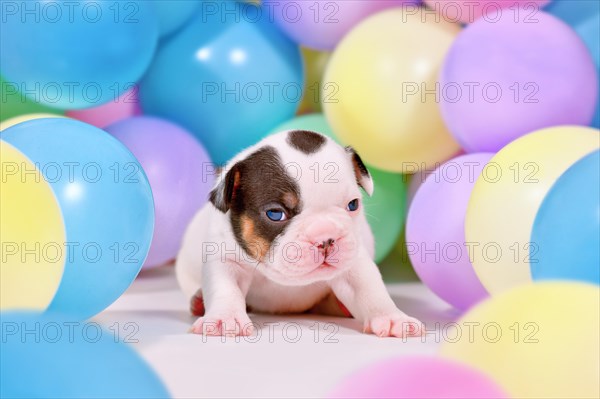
x=289, y=356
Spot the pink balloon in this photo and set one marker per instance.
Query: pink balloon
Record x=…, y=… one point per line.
x=467, y=11
x=435, y=232
x=418, y=377
x=126, y=106
x=321, y=24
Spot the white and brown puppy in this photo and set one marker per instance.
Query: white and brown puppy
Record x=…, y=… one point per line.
x=285, y=232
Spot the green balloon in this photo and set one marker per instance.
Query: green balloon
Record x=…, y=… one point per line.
x=13, y=103
x=386, y=209
x=315, y=122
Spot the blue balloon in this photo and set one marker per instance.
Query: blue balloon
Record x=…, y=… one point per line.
x=172, y=14
x=573, y=12
x=107, y=206
x=566, y=230
x=76, y=54
x=229, y=77
x=584, y=17
x=50, y=357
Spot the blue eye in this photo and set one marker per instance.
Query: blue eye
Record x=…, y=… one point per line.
x=353, y=205
x=276, y=215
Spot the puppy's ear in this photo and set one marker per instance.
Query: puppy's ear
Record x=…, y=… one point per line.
x=223, y=193
x=363, y=177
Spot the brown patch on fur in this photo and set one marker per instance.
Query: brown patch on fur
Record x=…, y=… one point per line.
x=306, y=141
x=250, y=188
x=255, y=245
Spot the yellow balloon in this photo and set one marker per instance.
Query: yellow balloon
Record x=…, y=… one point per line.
x=538, y=341
x=32, y=235
x=507, y=196
x=379, y=90
x=314, y=68
x=23, y=118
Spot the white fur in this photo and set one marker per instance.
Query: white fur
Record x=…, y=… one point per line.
x=284, y=282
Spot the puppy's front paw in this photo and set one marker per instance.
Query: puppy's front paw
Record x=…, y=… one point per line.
x=228, y=325
x=394, y=325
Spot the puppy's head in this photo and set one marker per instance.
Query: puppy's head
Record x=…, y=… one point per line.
x=294, y=204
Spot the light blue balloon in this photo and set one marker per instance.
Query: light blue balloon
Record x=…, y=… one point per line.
x=229, y=76
x=584, y=17
x=172, y=14
x=573, y=12
x=106, y=202
x=566, y=231
x=76, y=54
x=50, y=357
x=589, y=31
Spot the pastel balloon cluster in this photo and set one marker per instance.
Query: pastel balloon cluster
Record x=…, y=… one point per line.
x=509, y=346
x=485, y=222
x=180, y=173
x=78, y=210
x=409, y=105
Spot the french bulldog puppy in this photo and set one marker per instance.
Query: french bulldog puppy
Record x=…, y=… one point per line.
x=285, y=232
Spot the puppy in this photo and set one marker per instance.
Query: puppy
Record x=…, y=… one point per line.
x=285, y=232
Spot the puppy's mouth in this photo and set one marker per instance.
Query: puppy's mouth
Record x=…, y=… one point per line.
x=324, y=267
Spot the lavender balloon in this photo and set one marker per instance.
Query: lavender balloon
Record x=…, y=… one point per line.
x=503, y=79
x=321, y=24
x=435, y=231
x=180, y=173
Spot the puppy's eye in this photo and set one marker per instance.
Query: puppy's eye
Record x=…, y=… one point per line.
x=276, y=215
x=352, y=205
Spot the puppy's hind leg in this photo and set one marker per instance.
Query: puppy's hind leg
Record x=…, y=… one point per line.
x=188, y=269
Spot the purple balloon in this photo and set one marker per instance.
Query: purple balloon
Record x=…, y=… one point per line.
x=503, y=79
x=321, y=24
x=180, y=173
x=435, y=231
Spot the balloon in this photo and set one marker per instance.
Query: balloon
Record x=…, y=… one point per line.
x=507, y=196
x=372, y=97
x=106, y=204
x=314, y=67
x=538, y=340
x=574, y=12
x=584, y=17
x=172, y=14
x=127, y=105
x=13, y=103
x=566, y=229
x=589, y=31
x=435, y=231
x=467, y=11
x=33, y=235
x=386, y=209
x=315, y=122
x=546, y=77
x=418, y=377
x=15, y=120
x=49, y=356
x=321, y=24
x=228, y=78
x=78, y=54
x=180, y=174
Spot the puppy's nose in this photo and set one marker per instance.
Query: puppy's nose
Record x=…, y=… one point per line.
x=326, y=244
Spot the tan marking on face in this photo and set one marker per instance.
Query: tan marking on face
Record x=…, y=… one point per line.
x=257, y=246
x=290, y=200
